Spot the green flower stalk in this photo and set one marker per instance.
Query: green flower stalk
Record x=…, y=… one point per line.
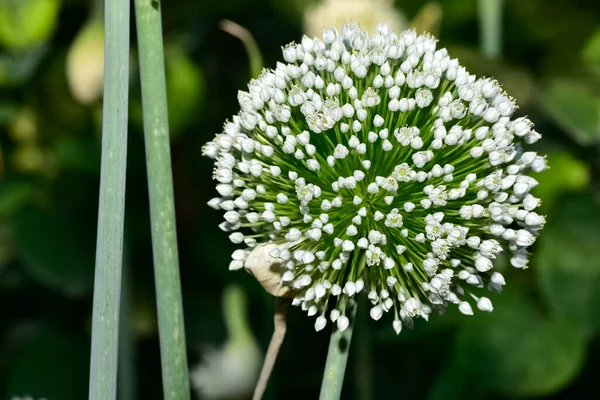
x=378, y=164
x=111, y=208
x=490, y=24
x=162, y=209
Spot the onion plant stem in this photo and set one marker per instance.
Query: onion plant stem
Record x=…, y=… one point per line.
x=127, y=366
x=162, y=210
x=363, y=371
x=337, y=358
x=490, y=25
x=109, y=247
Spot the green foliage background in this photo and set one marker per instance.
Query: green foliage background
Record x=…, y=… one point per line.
x=542, y=340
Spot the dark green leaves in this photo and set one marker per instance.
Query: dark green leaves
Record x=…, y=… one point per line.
x=50, y=364
x=575, y=108
x=55, y=251
x=13, y=197
x=566, y=174
x=185, y=90
x=518, y=350
x=569, y=263
x=591, y=53
x=27, y=23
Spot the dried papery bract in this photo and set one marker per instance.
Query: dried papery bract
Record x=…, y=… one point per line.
x=377, y=164
x=268, y=270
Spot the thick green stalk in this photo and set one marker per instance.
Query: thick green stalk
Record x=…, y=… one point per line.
x=490, y=25
x=363, y=371
x=109, y=247
x=127, y=365
x=162, y=210
x=337, y=358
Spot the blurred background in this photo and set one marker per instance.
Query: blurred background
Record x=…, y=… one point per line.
x=542, y=341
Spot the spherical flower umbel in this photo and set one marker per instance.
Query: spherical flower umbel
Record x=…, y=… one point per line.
x=378, y=164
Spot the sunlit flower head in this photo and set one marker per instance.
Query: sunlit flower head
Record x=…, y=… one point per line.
x=378, y=164
x=368, y=13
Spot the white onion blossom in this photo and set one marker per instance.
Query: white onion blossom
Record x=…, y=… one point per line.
x=378, y=164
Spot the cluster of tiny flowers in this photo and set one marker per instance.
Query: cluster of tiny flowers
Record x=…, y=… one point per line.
x=378, y=164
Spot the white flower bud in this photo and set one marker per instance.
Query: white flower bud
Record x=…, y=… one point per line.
x=465, y=308
x=484, y=304
x=320, y=323
x=483, y=264
x=342, y=323
x=376, y=313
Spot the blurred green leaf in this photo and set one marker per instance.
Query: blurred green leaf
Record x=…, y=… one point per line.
x=8, y=109
x=566, y=174
x=53, y=251
x=27, y=23
x=292, y=10
x=59, y=110
x=213, y=254
x=575, y=108
x=454, y=383
x=6, y=245
x=591, y=53
x=517, y=351
x=568, y=261
x=205, y=323
x=185, y=90
x=135, y=114
x=15, y=69
x=77, y=154
x=29, y=159
x=52, y=365
x=13, y=197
